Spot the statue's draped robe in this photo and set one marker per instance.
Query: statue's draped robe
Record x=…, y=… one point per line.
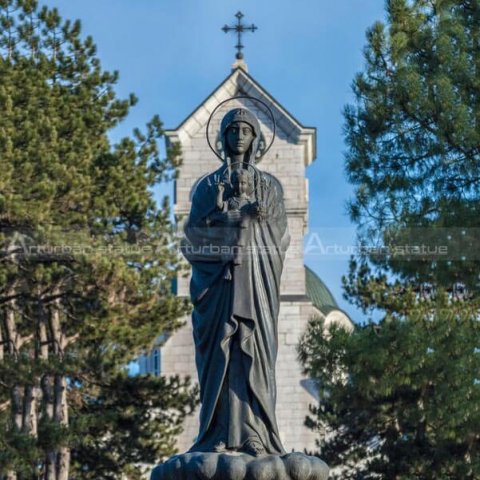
x=235, y=318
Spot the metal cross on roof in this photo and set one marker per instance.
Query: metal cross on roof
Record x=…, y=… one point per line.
x=239, y=29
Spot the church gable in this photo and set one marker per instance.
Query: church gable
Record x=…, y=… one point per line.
x=240, y=83
x=292, y=150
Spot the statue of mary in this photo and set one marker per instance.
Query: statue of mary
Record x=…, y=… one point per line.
x=237, y=211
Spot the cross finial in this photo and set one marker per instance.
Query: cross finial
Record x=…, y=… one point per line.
x=239, y=29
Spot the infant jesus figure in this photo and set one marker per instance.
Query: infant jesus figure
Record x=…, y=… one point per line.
x=243, y=202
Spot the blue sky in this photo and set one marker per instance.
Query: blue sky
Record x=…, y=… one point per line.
x=172, y=54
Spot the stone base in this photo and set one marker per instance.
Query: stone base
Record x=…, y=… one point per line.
x=239, y=466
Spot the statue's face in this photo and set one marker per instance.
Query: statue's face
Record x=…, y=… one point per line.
x=241, y=184
x=239, y=137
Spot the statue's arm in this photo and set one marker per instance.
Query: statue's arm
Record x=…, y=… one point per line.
x=205, y=211
x=223, y=217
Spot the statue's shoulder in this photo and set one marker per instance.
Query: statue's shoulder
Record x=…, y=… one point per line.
x=205, y=183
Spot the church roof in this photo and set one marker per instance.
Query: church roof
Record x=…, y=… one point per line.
x=318, y=292
x=240, y=82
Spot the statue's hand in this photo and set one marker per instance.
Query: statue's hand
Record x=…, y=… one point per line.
x=259, y=211
x=221, y=187
x=230, y=217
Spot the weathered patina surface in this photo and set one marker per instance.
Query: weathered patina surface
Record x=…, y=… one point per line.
x=237, y=253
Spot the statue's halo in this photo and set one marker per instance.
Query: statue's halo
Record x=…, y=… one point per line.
x=242, y=97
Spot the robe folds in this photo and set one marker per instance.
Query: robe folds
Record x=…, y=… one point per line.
x=235, y=316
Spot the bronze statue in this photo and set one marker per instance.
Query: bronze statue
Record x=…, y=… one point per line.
x=236, y=238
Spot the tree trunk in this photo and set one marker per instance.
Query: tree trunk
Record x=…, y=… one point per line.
x=3, y=345
x=61, y=416
x=33, y=390
x=60, y=407
x=30, y=419
x=48, y=402
x=12, y=341
x=47, y=397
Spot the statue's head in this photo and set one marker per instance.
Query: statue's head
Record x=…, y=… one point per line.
x=240, y=134
x=242, y=182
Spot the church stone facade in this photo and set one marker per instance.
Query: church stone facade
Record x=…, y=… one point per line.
x=303, y=294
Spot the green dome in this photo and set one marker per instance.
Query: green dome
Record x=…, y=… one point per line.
x=318, y=293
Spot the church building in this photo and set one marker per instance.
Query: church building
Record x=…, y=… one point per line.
x=303, y=294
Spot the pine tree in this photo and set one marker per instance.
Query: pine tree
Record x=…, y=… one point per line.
x=87, y=260
x=400, y=394
x=399, y=399
x=413, y=138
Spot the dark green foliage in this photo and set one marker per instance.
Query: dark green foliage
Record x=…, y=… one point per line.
x=86, y=259
x=413, y=137
x=142, y=422
x=401, y=399
x=400, y=394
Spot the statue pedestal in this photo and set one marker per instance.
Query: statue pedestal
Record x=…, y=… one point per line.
x=239, y=466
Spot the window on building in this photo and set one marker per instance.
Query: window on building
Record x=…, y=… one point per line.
x=156, y=362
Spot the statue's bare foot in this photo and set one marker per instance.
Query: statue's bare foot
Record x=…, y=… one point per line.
x=253, y=447
x=220, y=447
